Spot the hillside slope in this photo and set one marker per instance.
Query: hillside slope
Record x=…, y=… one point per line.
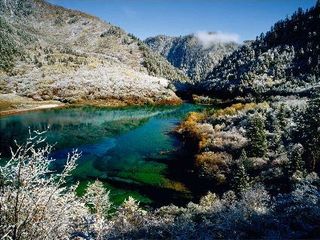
x=283, y=61
x=48, y=52
x=188, y=53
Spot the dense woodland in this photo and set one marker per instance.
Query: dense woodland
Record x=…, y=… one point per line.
x=283, y=61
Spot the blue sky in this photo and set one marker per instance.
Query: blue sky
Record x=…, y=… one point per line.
x=145, y=18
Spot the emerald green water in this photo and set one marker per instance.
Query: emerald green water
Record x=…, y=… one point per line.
x=132, y=150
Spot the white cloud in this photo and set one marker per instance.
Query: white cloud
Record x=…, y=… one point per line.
x=207, y=38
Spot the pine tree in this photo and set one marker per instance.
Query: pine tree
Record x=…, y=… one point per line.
x=296, y=162
x=273, y=126
x=245, y=160
x=240, y=181
x=257, y=136
x=308, y=133
x=281, y=116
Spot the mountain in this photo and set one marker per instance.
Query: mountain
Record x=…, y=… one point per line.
x=284, y=61
x=194, y=55
x=49, y=52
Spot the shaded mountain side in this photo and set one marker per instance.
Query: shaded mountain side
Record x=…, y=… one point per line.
x=190, y=54
x=283, y=61
x=49, y=52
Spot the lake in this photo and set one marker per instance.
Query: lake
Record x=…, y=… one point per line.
x=132, y=150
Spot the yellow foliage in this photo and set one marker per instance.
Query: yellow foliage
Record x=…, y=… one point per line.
x=236, y=108
x=190, y=123
x=214, y=164
x=195, y=117
x=212, y=158
x=264, y=105
x=177, y=186
x=204, y=141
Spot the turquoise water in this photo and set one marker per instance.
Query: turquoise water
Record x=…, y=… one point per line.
x=132, y=150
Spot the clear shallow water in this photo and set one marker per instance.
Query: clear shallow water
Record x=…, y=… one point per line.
x=132, y=150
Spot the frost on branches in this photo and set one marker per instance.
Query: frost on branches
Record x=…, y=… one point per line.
x=34, y=202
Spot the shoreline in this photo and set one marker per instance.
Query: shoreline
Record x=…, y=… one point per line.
x=13, y=104
x=39, y=107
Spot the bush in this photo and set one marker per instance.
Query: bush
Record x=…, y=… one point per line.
x=36, y=203
x=214, y=165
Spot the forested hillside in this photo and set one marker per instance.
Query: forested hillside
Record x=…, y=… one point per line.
x=48, y=52
x=190, y=54
x=283, y=61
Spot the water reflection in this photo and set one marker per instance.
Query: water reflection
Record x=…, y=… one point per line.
x=127, y=148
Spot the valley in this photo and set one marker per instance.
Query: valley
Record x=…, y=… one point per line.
x=198, y=136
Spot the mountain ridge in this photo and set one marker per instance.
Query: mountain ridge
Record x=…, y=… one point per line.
x=189, y=54
x=284, y=61
x=49, y=52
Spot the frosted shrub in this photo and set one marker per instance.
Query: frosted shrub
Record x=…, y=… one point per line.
x=130, y=215
x=34, y=203
x=97, y=199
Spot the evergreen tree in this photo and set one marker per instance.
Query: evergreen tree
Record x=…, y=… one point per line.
x=273, y=126
x=276, y=141
x=281, y=116
x=308, y=134
x=240, y=181
x=257, y=136
x=296, y=162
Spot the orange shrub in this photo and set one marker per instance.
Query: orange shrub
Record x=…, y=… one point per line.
x=237, y=107
x=214, y=165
